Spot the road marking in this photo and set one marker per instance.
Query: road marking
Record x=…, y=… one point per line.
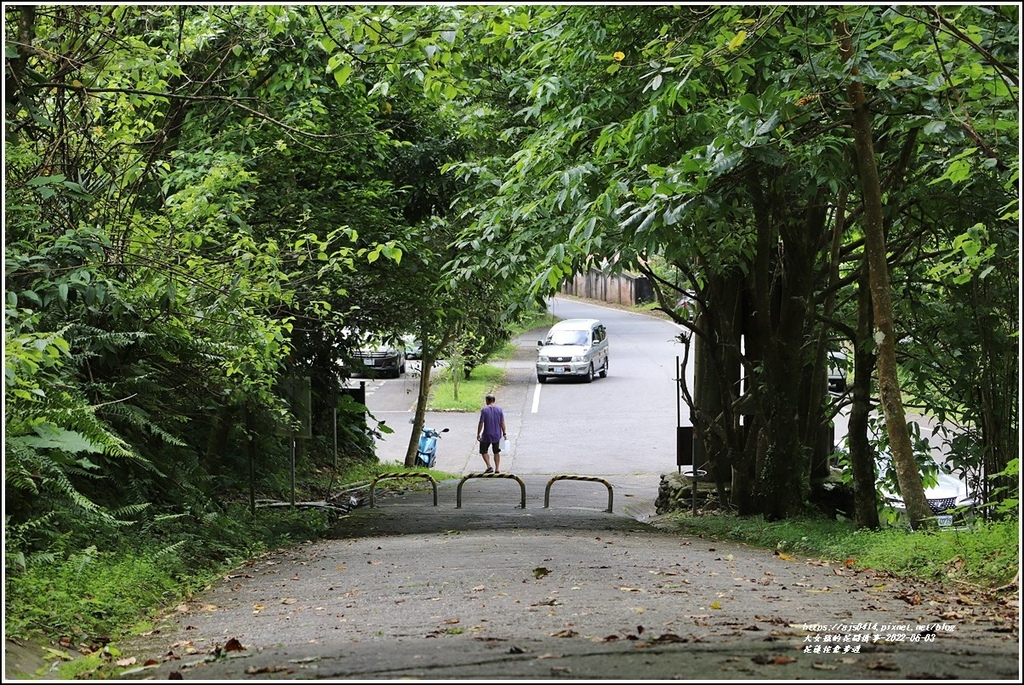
x=536, y=398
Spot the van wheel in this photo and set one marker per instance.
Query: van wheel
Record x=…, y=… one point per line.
x=604, y=369
x=541, y=379
x=589, y=378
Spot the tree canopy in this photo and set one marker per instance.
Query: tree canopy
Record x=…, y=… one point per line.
x=200, y=199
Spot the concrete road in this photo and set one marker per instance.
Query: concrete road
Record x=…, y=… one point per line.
x=491, y=591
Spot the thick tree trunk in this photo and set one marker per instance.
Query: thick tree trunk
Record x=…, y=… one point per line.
x=907, y=472
x=716, y=381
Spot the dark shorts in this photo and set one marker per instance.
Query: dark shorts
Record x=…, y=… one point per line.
x=493, y=446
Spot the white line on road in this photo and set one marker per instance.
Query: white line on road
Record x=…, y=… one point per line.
x=536, y=398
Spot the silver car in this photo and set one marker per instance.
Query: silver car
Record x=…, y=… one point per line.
x=573, y=348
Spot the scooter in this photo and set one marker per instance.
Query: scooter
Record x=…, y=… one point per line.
x=426, y=454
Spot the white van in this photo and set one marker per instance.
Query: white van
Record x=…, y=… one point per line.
x=573, y=348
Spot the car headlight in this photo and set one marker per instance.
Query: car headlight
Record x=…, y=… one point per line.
x=542, y=359
x=579, y=358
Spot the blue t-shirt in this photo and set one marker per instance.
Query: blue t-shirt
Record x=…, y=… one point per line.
x=491, y=416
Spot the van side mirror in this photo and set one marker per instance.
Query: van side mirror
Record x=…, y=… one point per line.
x=540, y=343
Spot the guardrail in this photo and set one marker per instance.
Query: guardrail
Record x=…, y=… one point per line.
x=402, y=474
x=458, y=491
x=547, y=490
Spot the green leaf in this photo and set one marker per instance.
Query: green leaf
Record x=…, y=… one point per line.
x=737, y=40
x=342, y=74
x=50, y=436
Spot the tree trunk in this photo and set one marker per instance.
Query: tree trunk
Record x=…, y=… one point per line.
x=908, y=476
x=427, y=359
x=862, y=463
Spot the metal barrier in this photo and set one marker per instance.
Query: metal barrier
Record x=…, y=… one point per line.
x=458, y=491
x=403, y=474
x=547, y=490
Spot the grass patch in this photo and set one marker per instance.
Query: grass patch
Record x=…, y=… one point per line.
x=91, y=598
x=469, y=393
x=405, y=483
x=987, y=555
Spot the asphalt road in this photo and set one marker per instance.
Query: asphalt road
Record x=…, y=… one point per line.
x=479, y=587
x=620, y=425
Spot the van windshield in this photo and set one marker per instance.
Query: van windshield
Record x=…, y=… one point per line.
x=568, y=338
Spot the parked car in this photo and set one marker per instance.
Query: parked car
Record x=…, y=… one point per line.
x=376, y=358
x=949, y=498
x=574, y=348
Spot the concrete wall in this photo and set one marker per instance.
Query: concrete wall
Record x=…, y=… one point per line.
x=625, y=289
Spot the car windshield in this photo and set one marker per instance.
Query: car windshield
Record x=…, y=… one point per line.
x=567, y=338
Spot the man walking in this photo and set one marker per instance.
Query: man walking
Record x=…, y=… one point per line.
x=489, y=433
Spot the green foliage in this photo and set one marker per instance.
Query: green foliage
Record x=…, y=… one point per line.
x=1004, y=501
x=188, y=222
x=91, y=592
x=987, y=554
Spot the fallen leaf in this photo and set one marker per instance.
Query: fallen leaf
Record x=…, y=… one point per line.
x=883, y=666
x=289, y=600
x=233, y=645
x=565, y=632
x=451, y=621
x=716, y=604
x=632, y=589
x=668, y=637
x=540, y=572
x=772, y=659
x=125, y=662
x=784, y=556
x=208, y=607
x=823, y=667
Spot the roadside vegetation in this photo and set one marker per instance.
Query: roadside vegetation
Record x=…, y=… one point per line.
x=465, y=392
x=984, y=556
x=203, y=201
